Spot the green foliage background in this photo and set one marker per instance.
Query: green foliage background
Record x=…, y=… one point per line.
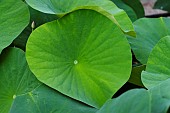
x=79, y=56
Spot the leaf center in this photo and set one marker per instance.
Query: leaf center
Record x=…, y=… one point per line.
x=14, y=96
x=75, y=62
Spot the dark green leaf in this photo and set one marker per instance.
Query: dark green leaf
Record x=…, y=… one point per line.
x=136, y=6
x=126, y=8
x=135, y=77
x=38, y=18
x=163, y=5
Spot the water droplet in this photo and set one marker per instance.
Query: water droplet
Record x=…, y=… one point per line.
x=75, y=62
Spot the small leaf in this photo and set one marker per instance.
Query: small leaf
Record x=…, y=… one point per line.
x=135, y=77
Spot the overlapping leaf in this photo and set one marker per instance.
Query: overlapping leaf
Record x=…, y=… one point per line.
x=161, y=97
x=106, y=7
x=14, y=17
x=158, y=65
x=45, y=100
x=133, y=8
x=154, y=100
x=133, y=101
x=136, y=6
x=126, y=8
x=77, y=56
x=149, y=32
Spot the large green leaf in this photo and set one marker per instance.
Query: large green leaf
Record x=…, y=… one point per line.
x=106, y=7
x=133, y=101
x=163, y=5
x=77, y=56
x=21, y=92
x=158, y=65
x=14, y=17
x=149, y=32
